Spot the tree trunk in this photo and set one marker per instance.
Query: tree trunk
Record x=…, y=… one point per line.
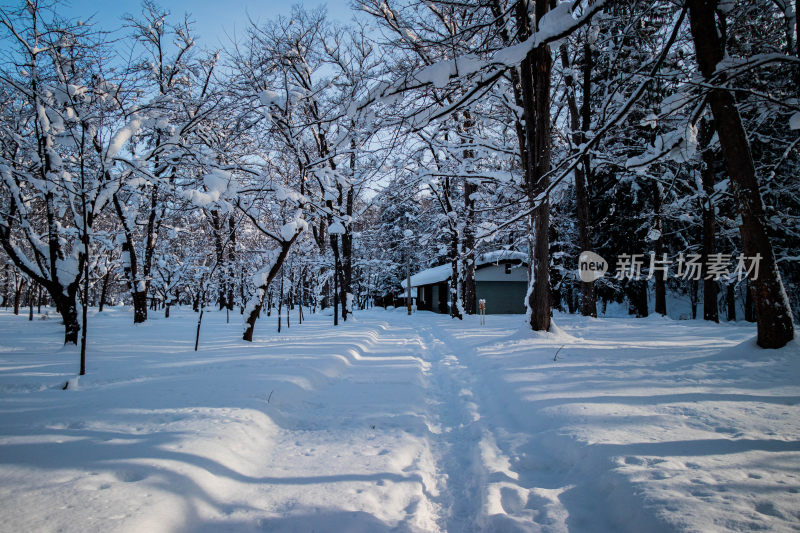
x=153, y=225
x=642, y=306
x=540, y=297
x=300, y=295
x=636, y=291
x=71, y=326
x=731, y=297
x=347, y=273
x=710, y=288
x=104, y=290
x=241, y=292
x=63, y=297
x=797, y=42
x=137, y=286
x=139, y=307
x=31, y=300
x=588, y=294
x=347, y=237
x=219, y=249
x=588, y=291
x=337, y=280
x=571, y=306
x=659, y=281
x=19, y=286
x=250, y=322
x=661, y=294
x=6, y=292
x=231, y=259
x=535, y=72
x=773, y=312
x=588, y=298
x=749, y=308
x=280, y=303
x=69, y=314
x=455, y=312
x=468, y=298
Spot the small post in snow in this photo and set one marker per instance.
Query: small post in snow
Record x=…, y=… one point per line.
x=482, y=309
x=197, y=335
x=200, y=318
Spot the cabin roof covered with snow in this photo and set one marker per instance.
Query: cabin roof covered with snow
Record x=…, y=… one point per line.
x=441, y=273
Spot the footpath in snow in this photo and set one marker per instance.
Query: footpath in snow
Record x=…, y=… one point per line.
x=397, y=423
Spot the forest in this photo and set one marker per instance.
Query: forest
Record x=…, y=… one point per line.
x=311, y=163
x=421, y=266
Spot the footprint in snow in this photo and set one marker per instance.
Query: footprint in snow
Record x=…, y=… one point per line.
x=768, y=508
x=129, y=476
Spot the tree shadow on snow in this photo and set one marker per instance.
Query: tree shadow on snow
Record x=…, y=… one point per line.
x=305, y=521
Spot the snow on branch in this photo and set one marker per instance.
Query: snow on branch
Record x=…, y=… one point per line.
x=219, y=185
x=556, y=25
x=570, y=163
x=678, y=145
x=122, y=136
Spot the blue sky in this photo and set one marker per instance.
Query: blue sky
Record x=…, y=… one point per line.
x=214, y=20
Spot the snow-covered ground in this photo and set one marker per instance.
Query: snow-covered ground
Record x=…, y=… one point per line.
x=396, y=423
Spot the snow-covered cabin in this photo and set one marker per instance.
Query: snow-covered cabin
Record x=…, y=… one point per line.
x=501, y=278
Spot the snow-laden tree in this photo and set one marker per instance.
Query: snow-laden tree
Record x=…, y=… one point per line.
x=61, y=110
x=152, y=149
